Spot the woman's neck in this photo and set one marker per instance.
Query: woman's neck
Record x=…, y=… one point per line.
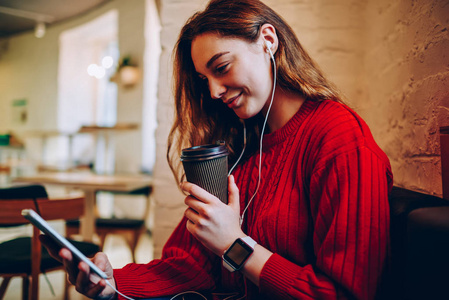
x=285, y=105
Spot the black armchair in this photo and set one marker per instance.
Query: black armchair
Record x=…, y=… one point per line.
x=419, y=227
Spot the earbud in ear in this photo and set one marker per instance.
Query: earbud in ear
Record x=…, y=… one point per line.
x=268, y=44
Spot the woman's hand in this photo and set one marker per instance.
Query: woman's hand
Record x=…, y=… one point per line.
x=79, y=273
x=212, y=222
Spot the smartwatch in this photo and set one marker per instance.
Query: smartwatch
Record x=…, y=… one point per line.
x=235, y=257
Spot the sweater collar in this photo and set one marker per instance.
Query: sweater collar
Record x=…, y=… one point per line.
x=282, y=133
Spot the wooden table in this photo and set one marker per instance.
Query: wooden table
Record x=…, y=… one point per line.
x=89, y=183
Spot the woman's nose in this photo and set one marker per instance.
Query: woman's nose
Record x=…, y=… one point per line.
x=216, y=88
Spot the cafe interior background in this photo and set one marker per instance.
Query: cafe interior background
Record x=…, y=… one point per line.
x=106, y=65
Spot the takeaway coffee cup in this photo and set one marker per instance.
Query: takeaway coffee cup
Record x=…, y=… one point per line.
x=207, y=167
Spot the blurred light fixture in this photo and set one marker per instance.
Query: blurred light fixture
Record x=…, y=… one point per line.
x=107, y=62
x=96, y=71
x=39, y=30
x=129, y=76
x=41, y=19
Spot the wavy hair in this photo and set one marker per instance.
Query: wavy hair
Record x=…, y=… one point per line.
x=200, y=120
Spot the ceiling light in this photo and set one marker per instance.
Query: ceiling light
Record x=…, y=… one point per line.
x=41, y=19
x=39, y=30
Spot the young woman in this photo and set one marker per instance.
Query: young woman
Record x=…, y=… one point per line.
x=308, y=214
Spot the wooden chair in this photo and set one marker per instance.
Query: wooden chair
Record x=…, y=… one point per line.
x=5, y=169
x=24, y=256
x=130, y=229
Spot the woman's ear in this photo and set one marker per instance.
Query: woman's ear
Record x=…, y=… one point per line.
x=269, y=37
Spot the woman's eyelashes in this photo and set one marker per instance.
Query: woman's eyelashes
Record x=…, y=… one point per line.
x=221, y=69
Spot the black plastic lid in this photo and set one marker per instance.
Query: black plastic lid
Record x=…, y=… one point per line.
x=203, y=152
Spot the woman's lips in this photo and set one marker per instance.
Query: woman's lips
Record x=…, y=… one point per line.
x=232, y=103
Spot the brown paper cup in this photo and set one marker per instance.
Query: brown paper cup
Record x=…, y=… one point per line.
x=207, y=167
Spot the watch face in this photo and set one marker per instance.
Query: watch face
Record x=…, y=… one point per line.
x=237, y=254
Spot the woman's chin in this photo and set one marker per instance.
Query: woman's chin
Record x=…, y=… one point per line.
x=244, y=113
x=243, y=116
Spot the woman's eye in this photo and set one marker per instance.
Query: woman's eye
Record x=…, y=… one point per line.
x=222, y=69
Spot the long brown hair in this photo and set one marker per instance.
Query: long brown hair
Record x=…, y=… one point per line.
x=200, y=120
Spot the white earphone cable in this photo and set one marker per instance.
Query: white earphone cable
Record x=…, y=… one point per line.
x=124, y=296
x=261, y=136
x=243, y=150
x=172, y=298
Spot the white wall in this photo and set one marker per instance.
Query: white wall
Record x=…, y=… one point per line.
x=29, y=66
x=169, y=200
x=28, y=70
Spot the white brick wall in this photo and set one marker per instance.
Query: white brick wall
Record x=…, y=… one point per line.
x=169, y=200
x=406, y=60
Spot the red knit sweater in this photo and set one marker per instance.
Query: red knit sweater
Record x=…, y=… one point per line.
x=322, y=209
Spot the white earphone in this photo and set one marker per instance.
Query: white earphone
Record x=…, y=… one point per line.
x=269, y=44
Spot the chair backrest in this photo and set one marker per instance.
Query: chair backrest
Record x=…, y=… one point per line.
x=55, y=209
x=14, y=199
x=23, y=192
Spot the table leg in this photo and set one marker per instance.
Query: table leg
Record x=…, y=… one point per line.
x=88, y=221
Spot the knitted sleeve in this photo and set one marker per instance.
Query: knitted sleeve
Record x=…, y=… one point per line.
x=185, y=265
x=348, y=193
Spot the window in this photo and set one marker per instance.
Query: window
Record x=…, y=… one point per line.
x=88, y=57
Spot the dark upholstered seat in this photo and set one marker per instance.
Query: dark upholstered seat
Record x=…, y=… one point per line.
x=112, y=223
x=427, y=265
x=419, y=228
x=15, y=255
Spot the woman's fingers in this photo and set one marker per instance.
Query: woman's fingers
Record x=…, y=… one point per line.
x=96, y=290
x=79, y=274
x=233, y=194
x=199, y=193
x=66, y=254
x=100, y=260
x=85, y=285
x=197, y=206
x=191, y=215
x=82, y=280
x=69, y=264
x=52, y=248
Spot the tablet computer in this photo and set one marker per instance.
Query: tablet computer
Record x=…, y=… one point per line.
x=40, y=223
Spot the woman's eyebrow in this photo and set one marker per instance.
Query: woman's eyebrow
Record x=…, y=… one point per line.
x=215, y=57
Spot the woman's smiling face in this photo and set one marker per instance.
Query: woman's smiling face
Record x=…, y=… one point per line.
x=237, y=72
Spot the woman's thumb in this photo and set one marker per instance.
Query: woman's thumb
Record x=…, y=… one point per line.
x=233, y=194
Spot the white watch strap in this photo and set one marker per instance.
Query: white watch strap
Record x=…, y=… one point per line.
x=250, y=242
x=228, y=266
